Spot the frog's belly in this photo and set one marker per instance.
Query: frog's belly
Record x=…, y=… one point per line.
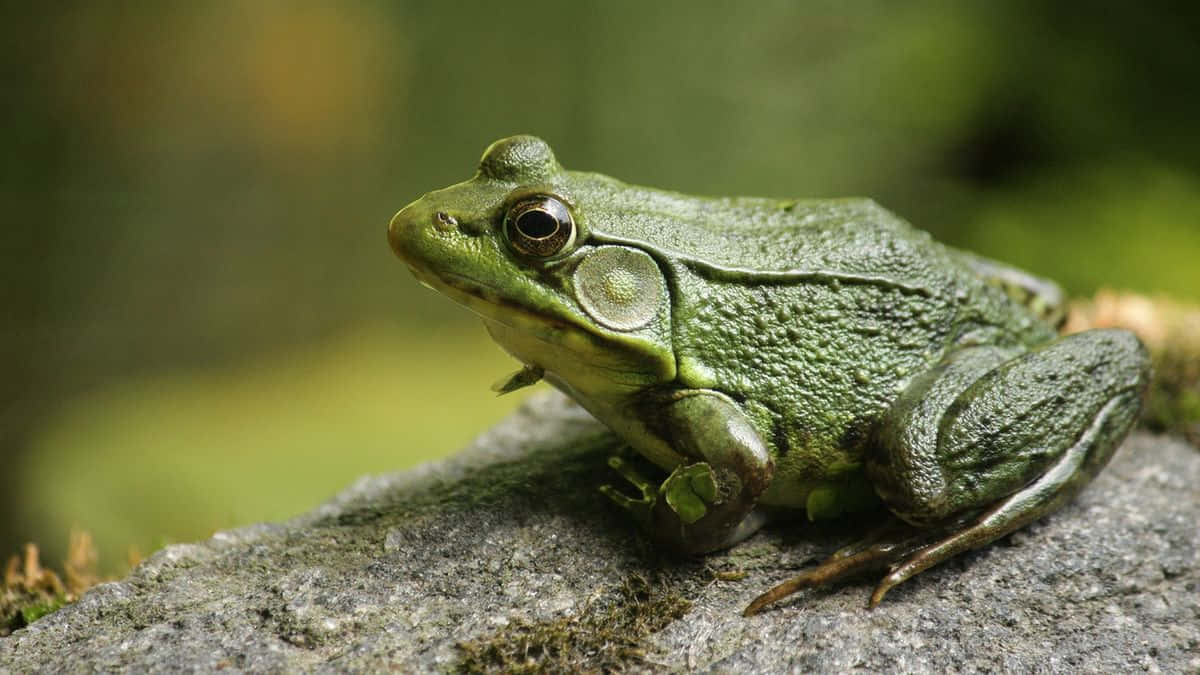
x=821, y=463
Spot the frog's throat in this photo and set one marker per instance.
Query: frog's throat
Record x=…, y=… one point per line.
x=488, y=302
x=561, y=332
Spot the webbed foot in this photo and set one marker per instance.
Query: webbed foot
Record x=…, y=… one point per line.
x=687, y=492
x=707, y=502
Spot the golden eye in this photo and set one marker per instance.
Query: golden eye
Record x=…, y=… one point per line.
x=539, y=226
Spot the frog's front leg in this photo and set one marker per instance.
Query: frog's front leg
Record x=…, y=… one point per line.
x=986, y=442
x=707, y=501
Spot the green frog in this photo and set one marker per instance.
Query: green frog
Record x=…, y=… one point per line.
x=769, y=354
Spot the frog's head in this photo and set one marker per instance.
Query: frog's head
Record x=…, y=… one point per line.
x=512, y=244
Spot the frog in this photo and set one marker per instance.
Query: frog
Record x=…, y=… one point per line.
x=807, y=356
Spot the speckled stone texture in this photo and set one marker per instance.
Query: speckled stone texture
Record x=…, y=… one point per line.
x=399, y=570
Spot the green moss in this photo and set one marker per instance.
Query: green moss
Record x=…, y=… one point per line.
x=21, y=607
x=29, y=591
x=1173, y=402
x=599, y=639
x=39, y=608
x=1170, y=330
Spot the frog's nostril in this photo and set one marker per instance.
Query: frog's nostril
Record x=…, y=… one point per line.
x=444, y=221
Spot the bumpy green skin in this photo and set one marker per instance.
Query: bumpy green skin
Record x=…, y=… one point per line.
x=784, y=353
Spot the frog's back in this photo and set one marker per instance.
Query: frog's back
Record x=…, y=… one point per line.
x=764, y=237
x=850, y=243
x=835, y=236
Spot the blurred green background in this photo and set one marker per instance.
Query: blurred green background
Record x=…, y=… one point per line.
x=204, y=326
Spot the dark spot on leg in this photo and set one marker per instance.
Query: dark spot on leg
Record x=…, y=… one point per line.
x=780, y=438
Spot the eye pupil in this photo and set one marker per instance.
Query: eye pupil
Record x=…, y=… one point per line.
x=539, y=226
x=536, y=224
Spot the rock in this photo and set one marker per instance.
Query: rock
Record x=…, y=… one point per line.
x=506, y=555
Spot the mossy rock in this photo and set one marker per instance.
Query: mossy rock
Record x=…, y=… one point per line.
x=506, y=557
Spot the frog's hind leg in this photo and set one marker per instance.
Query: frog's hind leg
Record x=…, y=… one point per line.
x=913, y=422
x=1013, y=445
x=986, y=442
x=1074, y=469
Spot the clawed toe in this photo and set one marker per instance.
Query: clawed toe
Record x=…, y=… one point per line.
x=835, y=568
x=891, y=546
x=640, y=507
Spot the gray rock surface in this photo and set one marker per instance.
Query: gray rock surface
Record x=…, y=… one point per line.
x=506, y=555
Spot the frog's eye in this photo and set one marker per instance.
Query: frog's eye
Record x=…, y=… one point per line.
x=539, y=226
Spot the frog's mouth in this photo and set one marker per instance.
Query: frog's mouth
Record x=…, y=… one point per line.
x=488, y=302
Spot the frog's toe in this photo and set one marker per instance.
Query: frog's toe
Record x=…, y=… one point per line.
x=641, y=506
x=640, y=509
x=632, y=476
x=884, y=547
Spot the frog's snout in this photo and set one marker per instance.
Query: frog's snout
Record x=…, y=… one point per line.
x=423, y=236
x=405, y=229
x=395, y=228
